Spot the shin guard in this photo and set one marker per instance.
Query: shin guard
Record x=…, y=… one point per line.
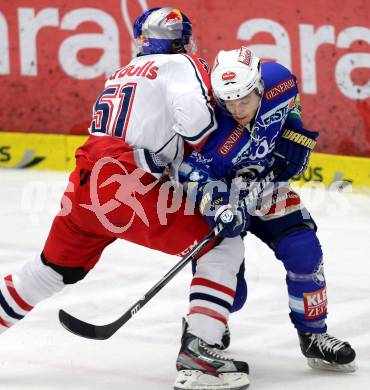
x=302, y=257
x=22, y=290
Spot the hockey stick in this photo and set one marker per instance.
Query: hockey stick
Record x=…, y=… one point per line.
x=103, y=332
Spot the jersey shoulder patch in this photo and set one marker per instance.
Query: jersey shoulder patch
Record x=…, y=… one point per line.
x=278, y=80
x=201, y=69
x=200, y=62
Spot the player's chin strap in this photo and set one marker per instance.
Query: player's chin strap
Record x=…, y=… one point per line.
x=103, y=332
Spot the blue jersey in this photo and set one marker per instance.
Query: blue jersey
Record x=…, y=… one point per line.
x=234, y=150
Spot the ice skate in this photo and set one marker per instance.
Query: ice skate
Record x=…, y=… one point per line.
x=202, y=366
x=326, y=352
x=225, y=341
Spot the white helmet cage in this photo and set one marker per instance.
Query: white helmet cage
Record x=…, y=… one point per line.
x=235, y=74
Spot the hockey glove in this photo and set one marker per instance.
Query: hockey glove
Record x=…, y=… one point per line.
x=217, y=210
x=292, y=152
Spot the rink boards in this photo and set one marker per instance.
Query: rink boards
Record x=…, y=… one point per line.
x=56, y=152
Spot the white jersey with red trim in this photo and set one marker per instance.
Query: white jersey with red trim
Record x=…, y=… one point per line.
x=155, y=103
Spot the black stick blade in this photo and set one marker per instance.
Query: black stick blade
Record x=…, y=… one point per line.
x=82, y=328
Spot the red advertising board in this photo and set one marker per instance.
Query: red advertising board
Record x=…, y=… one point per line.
x=55, y=56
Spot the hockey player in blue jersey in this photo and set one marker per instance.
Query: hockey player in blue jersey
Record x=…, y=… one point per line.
x=260, y=130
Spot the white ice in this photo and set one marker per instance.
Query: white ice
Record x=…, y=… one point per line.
x=39, y=353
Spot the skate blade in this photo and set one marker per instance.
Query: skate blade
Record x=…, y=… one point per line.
x=197, y=380
x=319, y=364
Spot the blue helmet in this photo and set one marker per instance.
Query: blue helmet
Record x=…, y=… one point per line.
x=162, y=31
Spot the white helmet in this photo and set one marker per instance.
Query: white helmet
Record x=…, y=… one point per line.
x=235, y=74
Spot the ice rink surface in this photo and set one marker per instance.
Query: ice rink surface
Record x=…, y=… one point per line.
x=38, y=353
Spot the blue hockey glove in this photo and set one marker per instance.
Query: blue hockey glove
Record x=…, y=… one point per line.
x=217, y=210
x=292, y=152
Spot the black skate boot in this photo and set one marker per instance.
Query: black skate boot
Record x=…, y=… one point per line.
x=225, y=341
x=327, y=352
x=203, y=366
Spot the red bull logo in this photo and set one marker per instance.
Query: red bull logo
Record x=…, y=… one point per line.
x=227, y=76
x=144, y=40
x=173, y=17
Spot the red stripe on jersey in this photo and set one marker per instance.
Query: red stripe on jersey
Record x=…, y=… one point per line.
x=5, y=323
x=13, y=292
x=203, y=74
x=284, y=203
x=214, y=285
x=208, y=312
x=203, y=70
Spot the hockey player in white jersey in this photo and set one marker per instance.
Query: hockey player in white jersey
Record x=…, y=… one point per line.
x=141, y=120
